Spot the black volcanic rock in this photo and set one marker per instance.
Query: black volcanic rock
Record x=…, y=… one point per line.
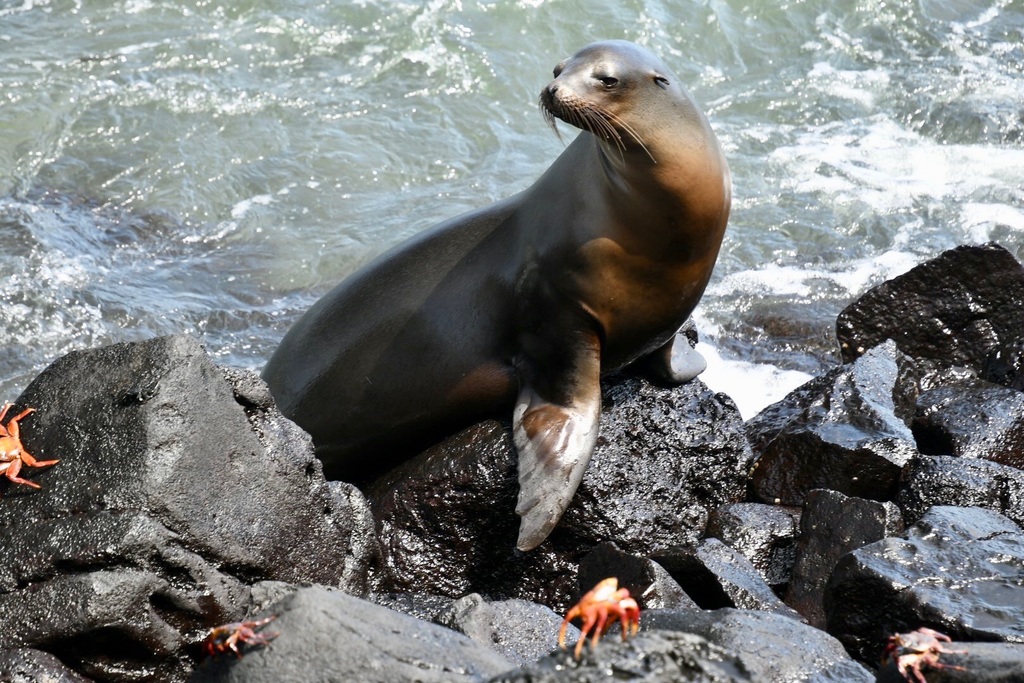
x=1005, y=365
x=650, y=657
x=972, y=419
x=963, y=482
x=664, y=459
x=764, y=534
x=772, y=647
x=831, y=526
x=173, y=494
x=520, y=631
x=958, y=308
x=715, y=576
x=647, y=581
x=842, y=431
x=24, y=665
x=325, y=636
x=958, y=571
x=967, y=663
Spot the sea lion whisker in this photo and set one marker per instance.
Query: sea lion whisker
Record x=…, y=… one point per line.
x=605, y=124
x=598, y=124
x=550, y=119
x=610, y=133
x=632, y=133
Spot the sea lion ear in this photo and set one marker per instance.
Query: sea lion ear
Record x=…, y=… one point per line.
x=661, y=81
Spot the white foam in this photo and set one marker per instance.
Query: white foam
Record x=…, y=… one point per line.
x=859, y=86
x=979, y=219
x=889, y=167
x=800, y=280
x=753, y=386
x=243, y=207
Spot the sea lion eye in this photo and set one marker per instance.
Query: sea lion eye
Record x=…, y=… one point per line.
x=609, y=81
x=558, y=69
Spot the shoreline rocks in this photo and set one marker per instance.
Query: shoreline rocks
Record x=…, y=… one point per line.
x=183, y=500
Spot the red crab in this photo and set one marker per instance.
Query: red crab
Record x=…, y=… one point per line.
x=916, y=649
x=12, y=454
x=599, y=609
x=229, y=636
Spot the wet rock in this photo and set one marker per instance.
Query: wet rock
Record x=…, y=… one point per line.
x=420, y=605
x=833, y=525
x=972, y=419
x=963, y=482
x=1005, y=366
x=24, y=665
x=330, y=636
x=650, y=657
x=665, y=458
x=770, y=646
x=764, y=534
x=715, y=576
x=842, y=431
x=968, y=663
x=172, y=496
x=958, y=571
x=519, y=631
x=648, y=582
x=434, y=512
x=963, y=304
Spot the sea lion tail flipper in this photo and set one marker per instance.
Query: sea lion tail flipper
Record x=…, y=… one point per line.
x=675, y=362
x=555, y=443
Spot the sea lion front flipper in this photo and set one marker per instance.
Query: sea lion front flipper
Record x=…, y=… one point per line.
x=675, y=362
x=555, y=440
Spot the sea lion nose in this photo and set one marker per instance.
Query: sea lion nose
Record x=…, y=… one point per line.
x=547, y=95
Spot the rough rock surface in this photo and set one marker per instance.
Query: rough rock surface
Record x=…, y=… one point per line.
x=715, y=575
x=833, y=525
x=24, y=665
x=764, y=534
x=1005, y=366
x=948, y=418
x=958, y=571
x=666, y=457
x=958, y=308
x=842, y=431
x=519, y=631
x=771, y=647
x=326, y=636
x=968, y=663
x=172, y=494
x=651, y=657
x=945, y=480
x=647, y=581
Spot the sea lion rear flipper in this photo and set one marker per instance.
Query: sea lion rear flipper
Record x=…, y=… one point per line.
x=555, y=441
x=675, y=362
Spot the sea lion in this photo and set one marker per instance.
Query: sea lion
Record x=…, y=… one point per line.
x=523, y=304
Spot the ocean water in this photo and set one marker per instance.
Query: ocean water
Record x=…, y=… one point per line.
x=214, y=167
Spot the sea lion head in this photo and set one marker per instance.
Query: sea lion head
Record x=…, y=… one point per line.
x=612, y=89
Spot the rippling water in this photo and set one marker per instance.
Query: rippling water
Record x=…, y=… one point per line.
x=203, y=167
